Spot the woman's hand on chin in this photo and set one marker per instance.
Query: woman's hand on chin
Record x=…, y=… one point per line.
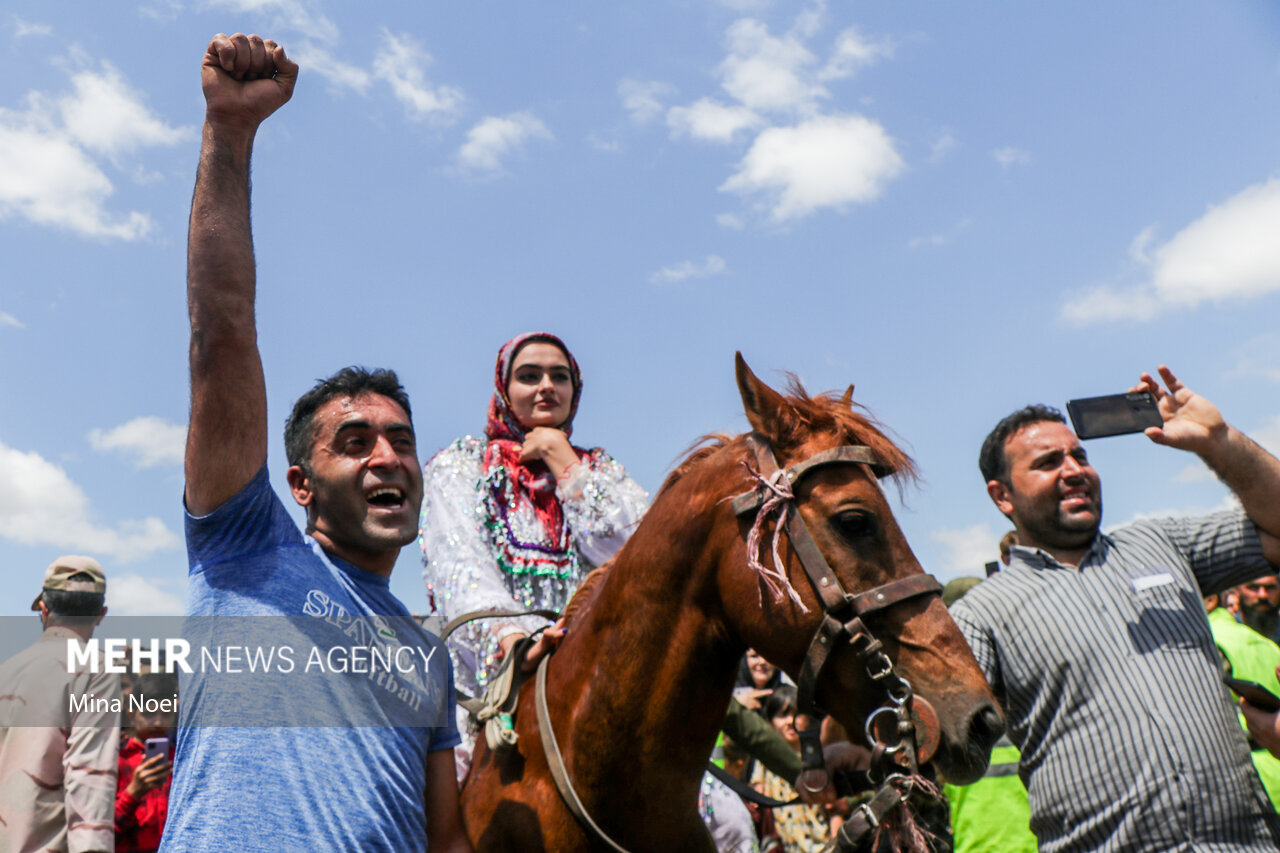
x=552, y=447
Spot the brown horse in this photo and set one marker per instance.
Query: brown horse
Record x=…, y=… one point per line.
x=639, y=686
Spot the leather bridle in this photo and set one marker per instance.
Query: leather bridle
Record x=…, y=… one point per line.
x=895, y=758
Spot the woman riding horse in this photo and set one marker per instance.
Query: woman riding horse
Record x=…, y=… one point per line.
x=514, y=521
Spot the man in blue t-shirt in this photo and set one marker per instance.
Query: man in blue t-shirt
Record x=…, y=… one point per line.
x=339, y=734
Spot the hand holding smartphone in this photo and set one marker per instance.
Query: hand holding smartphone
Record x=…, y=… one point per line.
x=1253, y=693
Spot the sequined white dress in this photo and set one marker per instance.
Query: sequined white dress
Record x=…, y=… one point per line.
x=480, y=556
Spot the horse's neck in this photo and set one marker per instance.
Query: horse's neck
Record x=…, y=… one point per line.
x=653, y=664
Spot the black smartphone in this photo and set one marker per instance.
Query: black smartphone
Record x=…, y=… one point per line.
x=1254, y=693
x=1113, y=414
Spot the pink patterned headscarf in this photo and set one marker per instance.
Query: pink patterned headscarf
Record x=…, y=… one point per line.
x=502, y=422
x=532, y=481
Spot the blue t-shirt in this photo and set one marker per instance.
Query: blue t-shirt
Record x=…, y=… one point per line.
x=314, y=696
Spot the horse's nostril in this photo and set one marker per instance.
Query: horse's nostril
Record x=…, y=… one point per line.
x=986, y=728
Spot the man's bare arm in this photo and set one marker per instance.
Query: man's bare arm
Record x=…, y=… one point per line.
x=245, y=79
x=1193, y=423
x=445, y=830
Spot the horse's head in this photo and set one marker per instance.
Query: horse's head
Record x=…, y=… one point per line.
x=860, y=548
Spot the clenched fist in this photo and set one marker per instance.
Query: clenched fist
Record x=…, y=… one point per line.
x=245, y=79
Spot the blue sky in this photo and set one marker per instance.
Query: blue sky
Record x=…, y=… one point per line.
x=961, y=209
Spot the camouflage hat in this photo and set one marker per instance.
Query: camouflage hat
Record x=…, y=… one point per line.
x=956, y=588
x=61, y=570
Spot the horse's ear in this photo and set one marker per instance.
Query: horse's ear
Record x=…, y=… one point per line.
x=846, y=401
x=761, y=403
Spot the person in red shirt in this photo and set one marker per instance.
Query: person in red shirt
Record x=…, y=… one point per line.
x=142, y=787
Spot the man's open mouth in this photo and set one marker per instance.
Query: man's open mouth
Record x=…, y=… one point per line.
x=387, y=496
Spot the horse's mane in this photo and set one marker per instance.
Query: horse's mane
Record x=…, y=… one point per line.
x=853, y=422
x=805, y=415
x=580, y=596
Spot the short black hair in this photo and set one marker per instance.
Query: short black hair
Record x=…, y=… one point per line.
x=991, y=459
x=74, y=606
x=299, y=430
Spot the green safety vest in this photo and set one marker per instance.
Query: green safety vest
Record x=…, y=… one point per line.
x=992, y=815
x=1253, y=658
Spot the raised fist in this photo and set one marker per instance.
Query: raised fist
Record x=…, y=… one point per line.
x=245, y=79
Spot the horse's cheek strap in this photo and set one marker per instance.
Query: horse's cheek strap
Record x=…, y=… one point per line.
x=824, y=581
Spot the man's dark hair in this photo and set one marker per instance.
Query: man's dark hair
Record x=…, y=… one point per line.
x=73, y=606
x=991, y=459
x=299, y=430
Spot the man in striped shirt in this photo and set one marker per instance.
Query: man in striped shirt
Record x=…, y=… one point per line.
x=1098, y=646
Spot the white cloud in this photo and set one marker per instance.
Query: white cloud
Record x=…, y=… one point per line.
x=7, y=320
x=49, y=180
x=340, y=74
x=641, y=98
x=730, y=220
x=1196, y=472
x=48, y=172
x=713, y=265
x=1258, y=356
x=402, y=63
x=599, y=143
x=41, y=505
x=1229, y=253
x=107, y=116
x=150, y=441
x=803, y=157
x=134, y=595
x=828, y=161
x=161, y=10
x=852, y=53
x=711, y=120
x=495, y=137
x=941, y=146
x=766, y=72
x=934, y=241
x=1104, y=302
x=967, y=549
x=1010, y=156
x=746, y=6
x=295, y=15
x=24, y=29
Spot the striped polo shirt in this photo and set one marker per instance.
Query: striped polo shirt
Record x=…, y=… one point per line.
x=1112, y=688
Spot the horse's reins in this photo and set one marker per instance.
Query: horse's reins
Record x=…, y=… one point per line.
x=842, y=622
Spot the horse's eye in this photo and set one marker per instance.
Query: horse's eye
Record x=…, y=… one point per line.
x=855, y=524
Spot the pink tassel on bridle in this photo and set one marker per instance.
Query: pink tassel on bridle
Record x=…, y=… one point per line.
x=780, y=498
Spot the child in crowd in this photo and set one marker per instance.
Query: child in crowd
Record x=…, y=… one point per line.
x=142, y=784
